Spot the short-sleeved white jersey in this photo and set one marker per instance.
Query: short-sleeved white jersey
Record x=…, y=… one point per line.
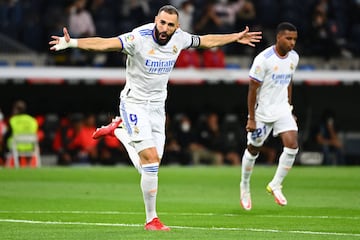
x=149, y=64
x=275, y=74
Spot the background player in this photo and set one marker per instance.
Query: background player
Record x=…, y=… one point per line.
x=270, y=109
x=152, y=50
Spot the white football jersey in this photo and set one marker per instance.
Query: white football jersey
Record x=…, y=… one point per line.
x=149, y=64
x=275, y=74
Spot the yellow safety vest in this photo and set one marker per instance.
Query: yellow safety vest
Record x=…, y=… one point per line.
x=22, y=124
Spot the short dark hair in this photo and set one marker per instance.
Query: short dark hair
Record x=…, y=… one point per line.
x=19, y=107
x=169, y=9
x=285, y=26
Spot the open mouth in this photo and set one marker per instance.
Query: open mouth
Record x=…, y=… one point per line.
x=163, y=36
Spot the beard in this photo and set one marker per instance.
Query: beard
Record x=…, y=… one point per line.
x=162, y=38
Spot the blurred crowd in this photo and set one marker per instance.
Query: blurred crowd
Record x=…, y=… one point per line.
x=327, y=28
x=207, y=139
x=203, y=139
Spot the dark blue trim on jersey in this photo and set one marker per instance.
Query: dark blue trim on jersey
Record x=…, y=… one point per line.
x=125, y=118
x=255, y=79
x=145, y=32
x=153, y=35
x=148, y=32
x=122, y=44
x=269, y=53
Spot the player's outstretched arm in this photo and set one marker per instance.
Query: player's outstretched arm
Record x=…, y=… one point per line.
x=217, y=40
x=93, y=43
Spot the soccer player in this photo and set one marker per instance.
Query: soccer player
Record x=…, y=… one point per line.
x=270, y=109
x=152, y=50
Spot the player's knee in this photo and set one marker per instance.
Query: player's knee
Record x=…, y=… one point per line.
x=149, y=155
x=291, y=151
x=253, y=150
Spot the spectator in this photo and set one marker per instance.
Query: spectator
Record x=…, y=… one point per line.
x=137, y=11
x=21, y=123
x=322, y=39
x=206, y=20
x=329, y=23
x=220, y=17
x=63, y=136
x=11, y=17
x=327, y=137
x=83, y=143
x=103, y=16
x=3, y=129
x=210, y=141
x=80, y=20
x=111, y=151
x=81, y=25
x=225, y=14
x=173, y=153
x=176, y=3
x=354, y=28
x=186, y=136
x=234, y=139
x=186, y=15
x=247, y=14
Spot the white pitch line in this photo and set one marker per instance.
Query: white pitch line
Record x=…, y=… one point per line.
x=180, y=214
x=181, y=227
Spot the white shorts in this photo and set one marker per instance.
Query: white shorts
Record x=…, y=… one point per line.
x=283, y=124
x=145, y=124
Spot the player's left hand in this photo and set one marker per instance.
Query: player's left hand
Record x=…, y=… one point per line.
x=60, y=43
x=250, y=125
x=249, y=38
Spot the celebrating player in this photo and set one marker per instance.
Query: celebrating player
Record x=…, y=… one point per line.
x=152, y=50
x=270, y=109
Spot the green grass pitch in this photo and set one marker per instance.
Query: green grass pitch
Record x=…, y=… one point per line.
x=196, y=202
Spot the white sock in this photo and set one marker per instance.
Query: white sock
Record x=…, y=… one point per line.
x=123, y=137
x=247, y=165
x=149, y=185
x=286, y=162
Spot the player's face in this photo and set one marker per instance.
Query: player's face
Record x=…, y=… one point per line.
x=286, y=41
x=165, y=26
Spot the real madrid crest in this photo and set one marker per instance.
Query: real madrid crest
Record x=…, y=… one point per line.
x=136, y=129
x=292, y=66
x=175, y=50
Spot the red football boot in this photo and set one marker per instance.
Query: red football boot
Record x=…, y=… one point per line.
x=108, y=129
x=156, y=225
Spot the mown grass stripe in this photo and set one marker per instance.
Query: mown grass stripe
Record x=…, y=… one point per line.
x=180, y=227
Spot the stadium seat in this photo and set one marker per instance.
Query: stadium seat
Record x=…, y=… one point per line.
x=188, y=58
x=214, y=58
x=311, y=158
x=351, y=147
x=4, y=63
x=17, y=157
x=24, y=63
